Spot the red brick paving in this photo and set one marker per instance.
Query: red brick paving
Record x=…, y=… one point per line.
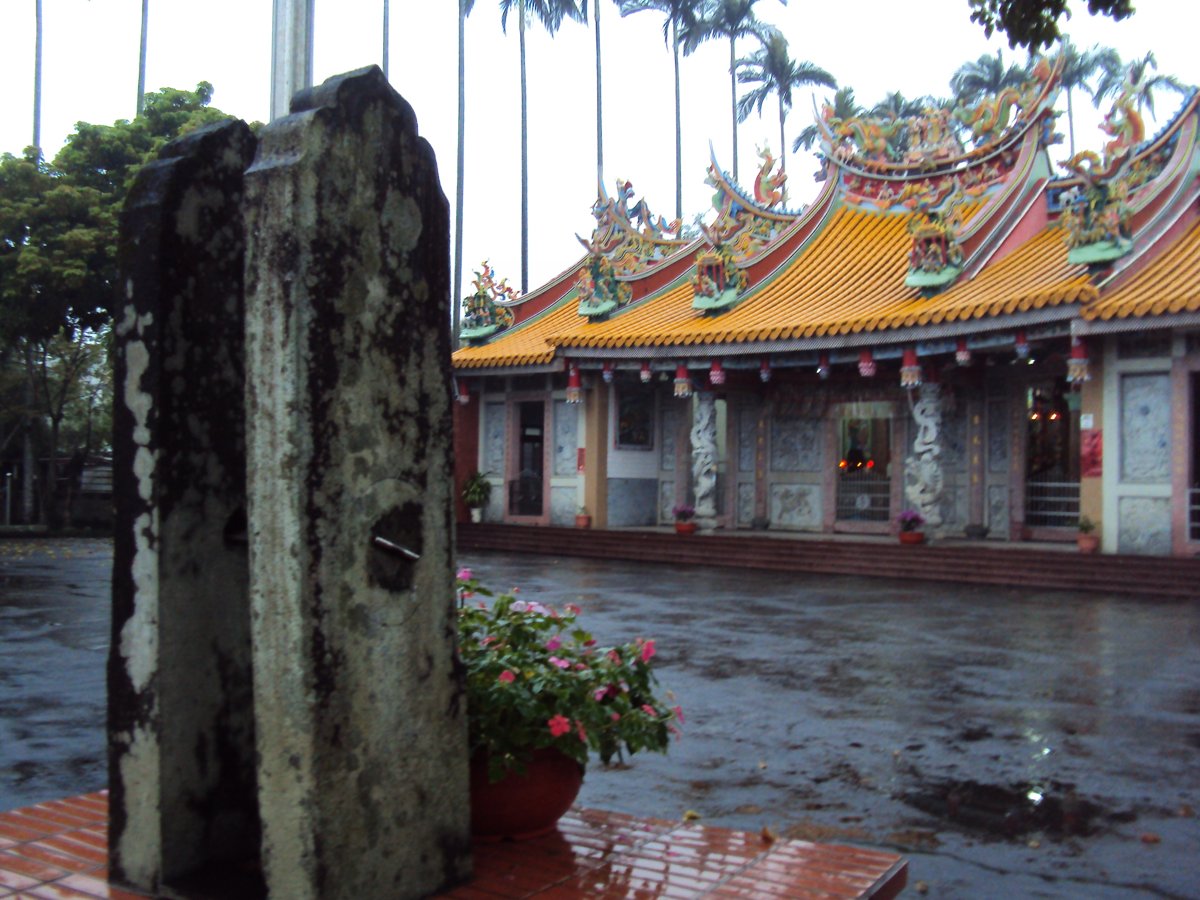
x=57, y=851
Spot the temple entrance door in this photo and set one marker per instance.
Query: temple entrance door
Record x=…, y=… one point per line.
x=1051, y=456
x=864, y=489
x=527, y=477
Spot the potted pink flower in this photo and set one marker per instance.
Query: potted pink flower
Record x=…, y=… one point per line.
x=910, y=522
x=542, y=696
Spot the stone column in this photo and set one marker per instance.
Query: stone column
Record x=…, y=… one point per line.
x=181, y=727
x=704, y=458
x=923, y=477
x=363, y=786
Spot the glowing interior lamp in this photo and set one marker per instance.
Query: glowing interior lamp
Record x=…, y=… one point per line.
x=962, y=354
x=645, y=373
x=910, y=370
x=866, y=364
x=683, y=384
x=574, y=384
x=716, y=373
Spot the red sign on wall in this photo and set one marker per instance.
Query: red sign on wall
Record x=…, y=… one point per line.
x=1091, y=452
x=579, y=458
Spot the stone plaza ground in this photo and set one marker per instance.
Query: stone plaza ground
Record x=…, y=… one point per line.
x=1010, y=743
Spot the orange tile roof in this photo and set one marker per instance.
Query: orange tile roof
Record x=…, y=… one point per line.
x=849, y=280
x=1170, y=284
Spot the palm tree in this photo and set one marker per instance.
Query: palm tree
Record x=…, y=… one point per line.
x=1078, y=68
x=773, y=71
x=680, y=14
x=37, y=75
x=551, y=14
x=730, y=19
x=844, y=107
x=464, y=10
x=141, y=95
x=1115, y=73
x=985, y=77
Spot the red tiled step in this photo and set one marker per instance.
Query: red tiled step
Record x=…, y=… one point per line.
x=593, y=855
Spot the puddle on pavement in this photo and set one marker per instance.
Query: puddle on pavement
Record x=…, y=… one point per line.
x=1052, y=809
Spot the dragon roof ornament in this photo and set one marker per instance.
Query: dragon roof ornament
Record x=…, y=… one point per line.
x=600, y=292
x=484, y=312
x=869, y=151
x=630, y=248
x=747, y=222
x=1096, y=219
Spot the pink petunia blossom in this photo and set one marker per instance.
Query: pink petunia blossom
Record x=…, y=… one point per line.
x=559, y=725
x=616, y=717
x=614, y=656
x=554, y=643
x=519, y=606
x=572, y=609
x=649, y=710
x=678, y=710
x=600, y=693
x=464, y=574
x=561, y=663
x=507, y=676
x=647, y=651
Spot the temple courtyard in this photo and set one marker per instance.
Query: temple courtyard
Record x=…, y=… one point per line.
x=1008, y=742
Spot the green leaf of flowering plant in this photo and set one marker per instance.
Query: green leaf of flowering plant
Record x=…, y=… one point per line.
x=535, y=678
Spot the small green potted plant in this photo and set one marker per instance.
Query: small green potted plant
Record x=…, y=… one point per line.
x=476, y=493
x=1087, y=540
x=910, y=522
x=541, y=697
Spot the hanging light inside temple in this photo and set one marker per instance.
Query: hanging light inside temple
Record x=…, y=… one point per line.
x=683, y=384
x=716, y=373
x=962, y=355
x=574, y=385
x=463, y=394
x=764, y=370
x=1077, y=363
x=645, y=373
x=910, y=369
x=1021, y=345
x=606, y=372
x=823, y=365
x=866, y=364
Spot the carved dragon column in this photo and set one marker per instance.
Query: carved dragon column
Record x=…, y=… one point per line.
x=704, y=458
x=923, y=478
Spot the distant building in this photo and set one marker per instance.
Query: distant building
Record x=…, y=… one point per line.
x=948, y=327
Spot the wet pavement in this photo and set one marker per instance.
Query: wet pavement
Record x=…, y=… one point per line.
x=1010, y=743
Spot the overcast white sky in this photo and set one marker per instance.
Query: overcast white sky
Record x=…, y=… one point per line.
x=875, y=46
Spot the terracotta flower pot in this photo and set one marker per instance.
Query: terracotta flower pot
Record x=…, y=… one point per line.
x=583, y=521
x=1088, y=543
x=523, y=806
x=688, y=527
x=912, y=537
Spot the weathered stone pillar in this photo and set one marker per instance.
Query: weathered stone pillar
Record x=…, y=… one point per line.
x=181, y=716
x=923, y=476
x=360, y=707
x=704, y=458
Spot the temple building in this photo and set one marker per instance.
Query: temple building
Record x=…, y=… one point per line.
x=950, y=327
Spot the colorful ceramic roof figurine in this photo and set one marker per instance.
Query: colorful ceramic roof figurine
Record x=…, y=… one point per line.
x=483, y=314
x=629, y=248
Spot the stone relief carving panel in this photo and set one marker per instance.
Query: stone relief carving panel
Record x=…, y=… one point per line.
x=997, y=436
x=562, y=505
x=747, y=437
x=494, y=416
x=796, y=505
x=669, y=423
x=1146, y=428
x=566, y=438
x=997, y=510
x=954, y=438
x=666, y=501
x=795, y=445
x=745, y=503
x=1144, y=525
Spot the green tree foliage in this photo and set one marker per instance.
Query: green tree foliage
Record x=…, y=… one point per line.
x=1034, y=23
x=986, y=77
x=844, y=107
x=1142, y=75
x=58, y=268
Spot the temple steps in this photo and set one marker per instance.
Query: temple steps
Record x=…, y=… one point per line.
x=977, y=562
